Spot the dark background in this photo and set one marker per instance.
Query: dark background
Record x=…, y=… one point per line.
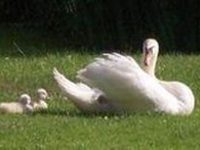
x=108, y=24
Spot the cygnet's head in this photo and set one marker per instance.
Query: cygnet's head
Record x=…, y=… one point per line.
x=42, y=94
x=150, y=51
x=25, y=99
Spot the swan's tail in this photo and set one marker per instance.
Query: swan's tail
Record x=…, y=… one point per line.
x=80, y=94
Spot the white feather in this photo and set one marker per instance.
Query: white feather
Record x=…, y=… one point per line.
x=127, y=85
x=84, y=97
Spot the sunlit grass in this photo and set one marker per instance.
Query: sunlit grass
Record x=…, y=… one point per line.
x=62, y=126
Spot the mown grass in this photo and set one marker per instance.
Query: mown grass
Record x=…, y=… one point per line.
x=63, y=126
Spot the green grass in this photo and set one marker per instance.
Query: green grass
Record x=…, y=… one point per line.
x=63, y=126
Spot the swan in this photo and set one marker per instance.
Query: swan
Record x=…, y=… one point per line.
x=116, y=83
x=23, y=105
x=181, y=91
x=40, y=103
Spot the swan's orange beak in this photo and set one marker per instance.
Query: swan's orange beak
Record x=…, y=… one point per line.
x=147, y=57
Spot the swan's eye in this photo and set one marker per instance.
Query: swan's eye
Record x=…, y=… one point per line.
x=149, y=50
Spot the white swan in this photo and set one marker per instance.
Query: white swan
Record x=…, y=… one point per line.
x=182, y=92
x=23, y=105
x=40, y=103
x=120, y=84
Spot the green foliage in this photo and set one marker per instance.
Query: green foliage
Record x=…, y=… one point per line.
x=110, y=24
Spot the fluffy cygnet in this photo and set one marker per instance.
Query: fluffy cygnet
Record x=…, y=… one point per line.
x=23, y=105
x=40, y=103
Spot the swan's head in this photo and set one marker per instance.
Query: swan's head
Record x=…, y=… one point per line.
x=25, y=99
x=42, y=94
x=150, y=51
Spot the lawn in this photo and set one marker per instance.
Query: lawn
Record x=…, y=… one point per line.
x=63, y=126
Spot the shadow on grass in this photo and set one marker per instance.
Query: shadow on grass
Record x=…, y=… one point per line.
x=77, y=113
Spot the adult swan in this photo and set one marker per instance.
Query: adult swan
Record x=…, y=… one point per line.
x=116, y=83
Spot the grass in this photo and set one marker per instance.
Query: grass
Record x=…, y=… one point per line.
x=62, y=126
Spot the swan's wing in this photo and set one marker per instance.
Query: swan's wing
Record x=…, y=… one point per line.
x=74, y=90
x=84, y=97
x=124, y=82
